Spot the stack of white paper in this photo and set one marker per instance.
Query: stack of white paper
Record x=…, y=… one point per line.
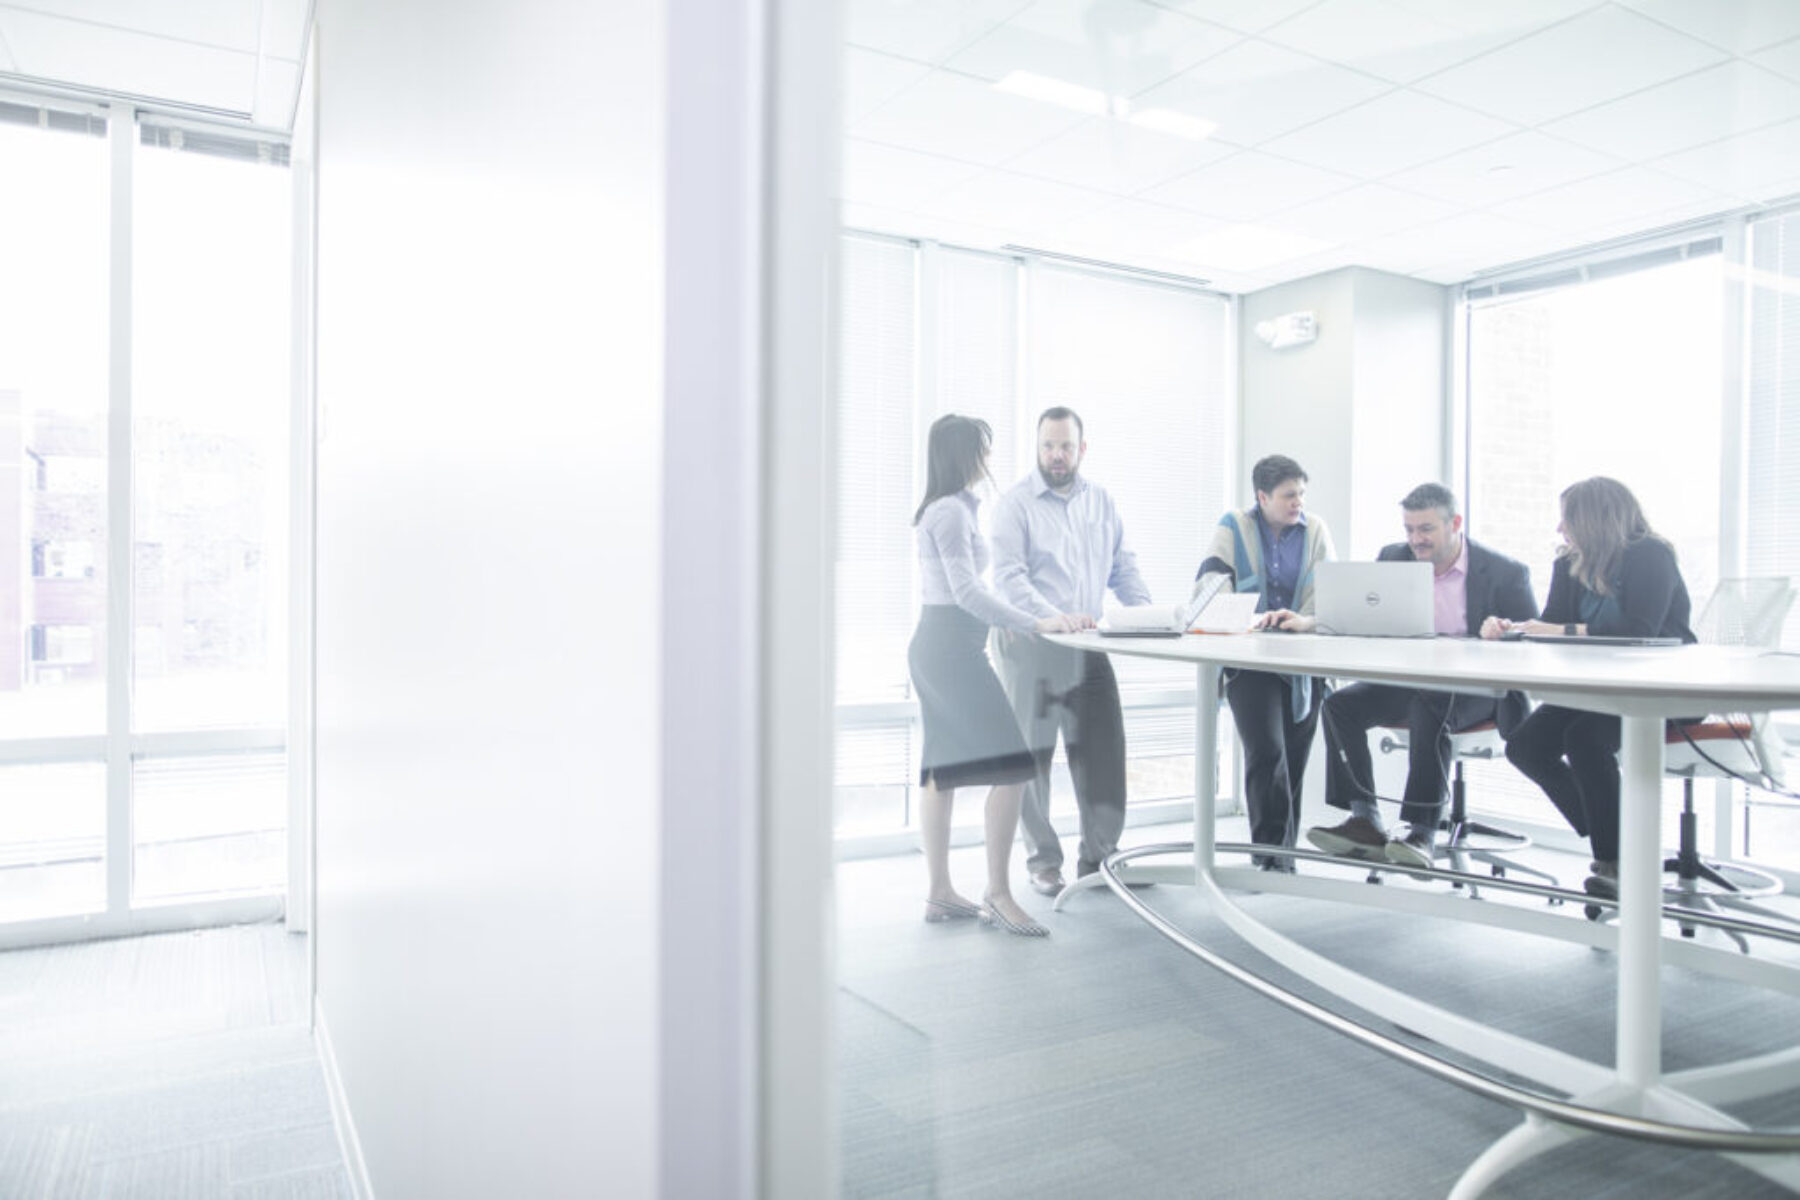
x=1144, y=616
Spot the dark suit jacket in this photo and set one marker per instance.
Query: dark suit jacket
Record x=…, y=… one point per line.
x=1497, y=586
x=1650, y=598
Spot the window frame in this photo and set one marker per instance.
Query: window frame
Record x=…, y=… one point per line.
x=125, y=127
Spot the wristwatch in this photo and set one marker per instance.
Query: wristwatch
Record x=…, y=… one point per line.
x=1572, y=629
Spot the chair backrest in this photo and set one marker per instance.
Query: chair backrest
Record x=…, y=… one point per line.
x=1746, y=612
x=1751, y=612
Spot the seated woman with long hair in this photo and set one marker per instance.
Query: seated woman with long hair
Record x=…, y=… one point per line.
x=1614, y=577
x=970, y=736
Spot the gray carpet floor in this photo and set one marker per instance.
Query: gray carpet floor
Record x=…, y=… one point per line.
x=170, y=1067
x=1103, y=1061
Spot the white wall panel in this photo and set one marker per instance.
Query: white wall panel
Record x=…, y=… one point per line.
x=490, y=248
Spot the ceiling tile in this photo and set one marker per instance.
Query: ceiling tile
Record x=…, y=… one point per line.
x=877, y=174
x=1753, y=166
x=1247, y=16
x=1119, y=47
x=277, y=91
x=958, y=117
x=228, y=23
x=1500, y=170
x=1572, y=66
x=1736, y=25
x=1255, y=91
x=881, y=218
x=1249, y=187
x=1783, y=59
x=1625, y=193
x=928, y=30
x=872, y=79
x=1380, y=37
x=1728, y=99
x=1363, y=212
x=1118, y=157
x=1644, y=222
x=1136, y=233
x=132, y=63
x=284, y=28
x=1505, y=22
x=1031, y=206
x=1306, y=266
x=1137, y=225
x=1468, y=237
x=1250, y=248
x=1388, y=134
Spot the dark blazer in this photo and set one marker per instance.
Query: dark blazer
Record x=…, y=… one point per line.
x=1497, y=586
x=1651, y=598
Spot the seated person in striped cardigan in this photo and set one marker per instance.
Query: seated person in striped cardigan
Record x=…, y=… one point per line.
x=1271, y=548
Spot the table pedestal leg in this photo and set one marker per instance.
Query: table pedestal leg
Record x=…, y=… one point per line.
x=1639, y=1031
x=1206, y=767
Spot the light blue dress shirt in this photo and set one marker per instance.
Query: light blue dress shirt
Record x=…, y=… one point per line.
x=1059, y=554
x=952, y=558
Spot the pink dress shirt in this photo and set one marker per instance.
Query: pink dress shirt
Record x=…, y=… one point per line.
x=1450, y=597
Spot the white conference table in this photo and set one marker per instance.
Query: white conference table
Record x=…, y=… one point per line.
x=1643, y=686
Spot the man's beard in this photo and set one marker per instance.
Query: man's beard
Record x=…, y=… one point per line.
x=1065, y=481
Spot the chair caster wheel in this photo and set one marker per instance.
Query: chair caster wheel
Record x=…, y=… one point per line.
x=1457, y=884
x=1498, y=872
x=1687, y=931
x=1375, y=878
x=1591, y=911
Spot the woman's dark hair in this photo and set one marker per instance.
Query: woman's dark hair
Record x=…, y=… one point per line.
x=955, y=453
x=1271, y=472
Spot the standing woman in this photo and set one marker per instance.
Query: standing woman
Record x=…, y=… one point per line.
x=970, y=737
x=1271, y=548
x=1614, y=576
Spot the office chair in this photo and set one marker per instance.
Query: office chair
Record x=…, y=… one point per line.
x=1466, y=839
x=1740, y=612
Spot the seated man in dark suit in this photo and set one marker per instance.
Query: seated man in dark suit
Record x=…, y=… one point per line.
x=1470, y=584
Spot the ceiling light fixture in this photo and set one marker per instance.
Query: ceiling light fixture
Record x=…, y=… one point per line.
x=1247, y=247
x=1167, y=120
x=1058, y=92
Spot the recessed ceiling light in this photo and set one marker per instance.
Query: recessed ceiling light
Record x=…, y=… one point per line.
x=1247, y=247
x=1167, y=120
x=1056, y=91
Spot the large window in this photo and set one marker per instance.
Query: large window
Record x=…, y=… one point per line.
x=1636, y=368
x=143, y=515
x=1617, y=371
x=928, y=330
x=1771, y=530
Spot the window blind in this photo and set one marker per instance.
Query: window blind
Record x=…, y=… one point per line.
x=1145, y=366
x=877, y=390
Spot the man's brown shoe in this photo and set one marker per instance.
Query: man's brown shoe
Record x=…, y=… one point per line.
x=1356, y=837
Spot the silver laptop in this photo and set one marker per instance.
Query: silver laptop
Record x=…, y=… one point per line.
x=1374, y=599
